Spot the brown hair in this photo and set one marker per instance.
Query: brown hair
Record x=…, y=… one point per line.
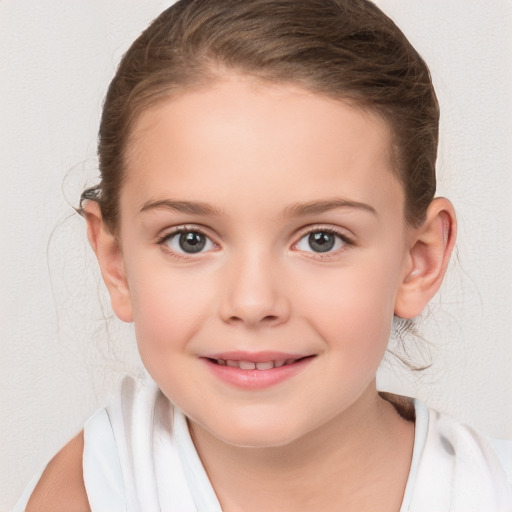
x=346, y=49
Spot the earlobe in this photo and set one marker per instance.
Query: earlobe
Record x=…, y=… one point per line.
x=110, y=258
x=427, y=260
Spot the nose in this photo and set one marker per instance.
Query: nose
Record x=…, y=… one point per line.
x=253, y=294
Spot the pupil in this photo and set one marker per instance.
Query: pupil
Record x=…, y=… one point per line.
x=321, y=242
x=192, y=242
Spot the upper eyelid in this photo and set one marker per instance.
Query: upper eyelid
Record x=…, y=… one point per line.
x=184, y=228
x=342, y=232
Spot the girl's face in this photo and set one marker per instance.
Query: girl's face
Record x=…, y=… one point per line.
x=263, y=243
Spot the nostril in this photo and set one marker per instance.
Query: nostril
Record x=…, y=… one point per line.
x=268, y=319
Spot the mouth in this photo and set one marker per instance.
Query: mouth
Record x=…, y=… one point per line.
x=257, y=365
x=256, y=371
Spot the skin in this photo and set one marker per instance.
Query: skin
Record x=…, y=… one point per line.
x=61, y=487
x=255, y=290
x=252, y=153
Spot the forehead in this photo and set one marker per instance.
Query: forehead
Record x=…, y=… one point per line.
x=260, y=138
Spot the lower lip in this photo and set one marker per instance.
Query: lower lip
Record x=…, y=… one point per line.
x=256, y=379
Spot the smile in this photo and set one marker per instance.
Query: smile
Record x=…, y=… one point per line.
x=251, y=365
x=256, y=371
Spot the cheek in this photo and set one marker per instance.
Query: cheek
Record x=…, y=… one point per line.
x=355, y=306
x=169, y=309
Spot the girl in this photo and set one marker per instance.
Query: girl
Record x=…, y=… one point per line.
x=266, y=209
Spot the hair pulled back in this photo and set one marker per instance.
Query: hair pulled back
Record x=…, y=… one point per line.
x=345, y=49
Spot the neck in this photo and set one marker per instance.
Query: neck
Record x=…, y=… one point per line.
x=358, y=461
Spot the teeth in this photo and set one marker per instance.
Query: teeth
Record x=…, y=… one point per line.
x=265, y=366
x=249, y=365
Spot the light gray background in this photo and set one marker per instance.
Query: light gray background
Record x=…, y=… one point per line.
x=59, y=359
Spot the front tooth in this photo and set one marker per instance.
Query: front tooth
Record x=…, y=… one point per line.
x=265, y=366
x=278, y=364
x=221, y=362
x=247, y=365
x=233, y=364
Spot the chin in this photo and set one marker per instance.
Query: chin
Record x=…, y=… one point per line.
x=262, y=434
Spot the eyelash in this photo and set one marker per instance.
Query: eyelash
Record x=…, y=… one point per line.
x=176, y=231
x=347, y=241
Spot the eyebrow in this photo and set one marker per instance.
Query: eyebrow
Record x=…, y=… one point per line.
x=316, y=207
x=192, y=207
x=293, y=210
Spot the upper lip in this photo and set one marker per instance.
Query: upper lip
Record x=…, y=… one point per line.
x=256, y=357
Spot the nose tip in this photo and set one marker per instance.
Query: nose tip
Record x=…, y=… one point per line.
x=254, y=297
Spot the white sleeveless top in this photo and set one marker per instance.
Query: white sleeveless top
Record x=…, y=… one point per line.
x=139, y=457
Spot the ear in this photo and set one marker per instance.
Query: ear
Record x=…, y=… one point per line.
x=107, y=248
x=427, y=259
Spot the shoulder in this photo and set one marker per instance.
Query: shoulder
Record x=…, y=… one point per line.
x=61, y=487
x=460, y=464
x=462, y=445
x=118, y=460
x=95, y=470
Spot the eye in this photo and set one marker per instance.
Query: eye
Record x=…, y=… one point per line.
x=188, y=242
x=321, y=241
